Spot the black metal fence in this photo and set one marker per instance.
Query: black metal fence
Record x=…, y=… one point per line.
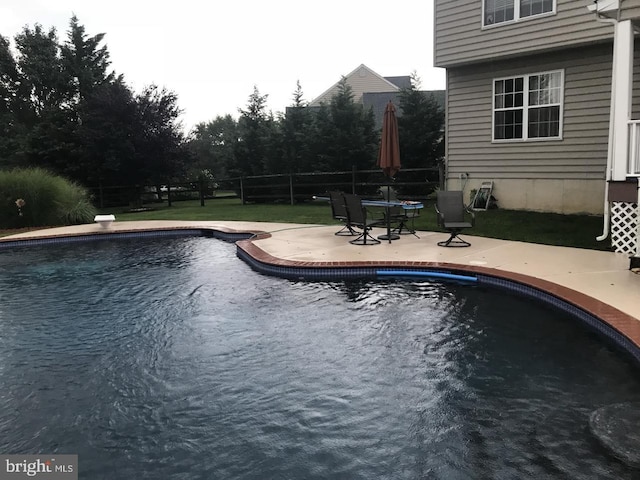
x=411, y=184
x=299, y=187
x=141, y=196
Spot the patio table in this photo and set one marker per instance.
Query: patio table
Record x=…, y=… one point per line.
x=387, y=206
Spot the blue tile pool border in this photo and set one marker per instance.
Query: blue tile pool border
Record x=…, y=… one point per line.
x=337, y=273
x=340, y=273
x=590, y=320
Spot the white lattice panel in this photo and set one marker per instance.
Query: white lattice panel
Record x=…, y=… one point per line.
x=624, y=226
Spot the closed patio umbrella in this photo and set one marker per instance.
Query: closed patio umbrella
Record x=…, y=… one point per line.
x=389, y=155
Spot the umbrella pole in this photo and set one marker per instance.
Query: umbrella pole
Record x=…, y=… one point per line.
x=391, y=236
x=387, y=210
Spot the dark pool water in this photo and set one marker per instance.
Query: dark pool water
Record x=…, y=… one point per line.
x=171, y=359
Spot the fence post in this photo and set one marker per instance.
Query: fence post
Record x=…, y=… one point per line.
x=201, y=188
x=291, y=188
x=168, y=194
x=242, y=191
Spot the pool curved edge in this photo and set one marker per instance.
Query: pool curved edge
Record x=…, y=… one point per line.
x=221, y=233
x=619, y=327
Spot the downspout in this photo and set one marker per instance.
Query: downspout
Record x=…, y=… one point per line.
x=606, y=217
x=607, y=213
x=638, y=226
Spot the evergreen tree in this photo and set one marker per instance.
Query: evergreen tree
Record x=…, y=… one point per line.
x=85, y=62
x=350, y=138
x=103, y=107
x=322, y=156
x=106, y=135
x=421, y=127
x=296, y=128
x=254, y=128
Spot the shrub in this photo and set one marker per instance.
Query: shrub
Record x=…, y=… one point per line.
x=47, y=200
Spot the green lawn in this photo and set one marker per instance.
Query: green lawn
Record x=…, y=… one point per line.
x=546, y=228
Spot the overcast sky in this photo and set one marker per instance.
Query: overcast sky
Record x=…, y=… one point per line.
x=212, y=52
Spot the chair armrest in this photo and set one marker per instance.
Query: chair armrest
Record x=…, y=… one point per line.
x=439, y=216
x=472, y=215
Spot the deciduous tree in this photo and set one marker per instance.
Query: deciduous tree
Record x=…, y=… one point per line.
x=213, y=146
x=161, y=151
x=11, y=107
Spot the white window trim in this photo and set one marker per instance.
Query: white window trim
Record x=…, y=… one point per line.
x=516, y=15
x=525, y=107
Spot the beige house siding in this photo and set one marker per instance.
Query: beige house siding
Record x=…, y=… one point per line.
x=630, y=9
x=534, y=175
x=361, y=80
x=461, y=39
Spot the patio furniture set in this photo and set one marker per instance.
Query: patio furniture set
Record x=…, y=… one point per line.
x=398, y=216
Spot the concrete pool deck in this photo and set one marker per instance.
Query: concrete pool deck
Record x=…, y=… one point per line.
x=595, y=281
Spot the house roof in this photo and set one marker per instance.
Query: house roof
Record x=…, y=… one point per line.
x=378, y=102
x=402, y=82
x=361, y=80
x=374, y=91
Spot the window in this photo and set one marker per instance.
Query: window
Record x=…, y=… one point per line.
x=528, y=107
x=501, y=11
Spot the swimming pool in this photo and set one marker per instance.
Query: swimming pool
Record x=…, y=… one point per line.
x=172, y=359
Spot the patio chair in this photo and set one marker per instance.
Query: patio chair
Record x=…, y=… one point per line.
x=339, y=212
x=357, y=217
x=452, y=216
x=399, y=215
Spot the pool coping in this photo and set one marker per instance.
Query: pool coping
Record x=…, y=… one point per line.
x=620, y=327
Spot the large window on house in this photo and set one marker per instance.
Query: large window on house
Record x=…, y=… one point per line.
x=528, y=107
x=501, y=11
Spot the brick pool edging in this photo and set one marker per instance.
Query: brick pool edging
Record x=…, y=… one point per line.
x=619, y=327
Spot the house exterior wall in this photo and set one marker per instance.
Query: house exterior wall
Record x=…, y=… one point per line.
x=460, y=37
x=630, y=10
x=360, y=80
x=566, y=175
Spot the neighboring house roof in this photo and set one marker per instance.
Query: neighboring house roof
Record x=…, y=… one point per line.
x=402, y=82
x=374, y=91
x=361, y=80
x=378, y=102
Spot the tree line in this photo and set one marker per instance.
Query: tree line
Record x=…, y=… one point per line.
x=63, y=109
x=336, y=136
